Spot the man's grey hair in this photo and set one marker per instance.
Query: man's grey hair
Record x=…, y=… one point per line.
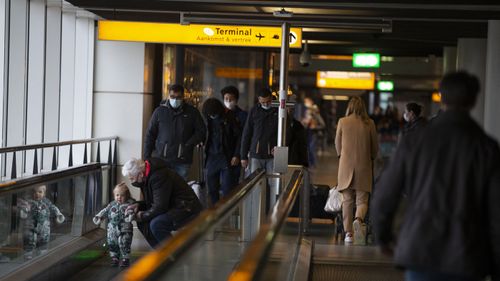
x=133, y=167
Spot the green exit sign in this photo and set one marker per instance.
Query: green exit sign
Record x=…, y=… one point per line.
x=365, y=60
x=385, y=85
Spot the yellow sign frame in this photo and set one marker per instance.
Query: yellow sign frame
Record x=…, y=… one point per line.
x=196, y=34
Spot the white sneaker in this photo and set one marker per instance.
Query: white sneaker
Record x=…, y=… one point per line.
x=348, y=238
x=359, y=232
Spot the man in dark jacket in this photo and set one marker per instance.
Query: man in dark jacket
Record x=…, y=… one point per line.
x=260, y=137
x=169, y=202
x=222, y=149
x=174, y=130
x=260, y=134
x=450, y=173
x=413, y=119
x=231, y=95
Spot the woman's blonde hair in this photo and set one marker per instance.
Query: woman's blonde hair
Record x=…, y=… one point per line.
x=357, y=106
x=122, y=187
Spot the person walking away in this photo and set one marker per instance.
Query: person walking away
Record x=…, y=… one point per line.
x=174, y=129
x=356, y=143
x=450, y=175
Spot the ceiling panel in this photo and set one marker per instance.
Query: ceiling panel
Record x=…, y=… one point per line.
x=422, y=28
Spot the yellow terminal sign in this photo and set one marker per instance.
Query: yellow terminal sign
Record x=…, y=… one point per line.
x=345, y=80
x=197, y=34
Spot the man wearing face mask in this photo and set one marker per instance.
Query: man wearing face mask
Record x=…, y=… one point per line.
x=412, y=118
x=260, y=134
x=222, y=148
x=230, y=95
x=174, y=130
x=169, y=203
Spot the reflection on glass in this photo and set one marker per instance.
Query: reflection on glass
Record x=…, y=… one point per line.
x=36, y=213
x=36, y=219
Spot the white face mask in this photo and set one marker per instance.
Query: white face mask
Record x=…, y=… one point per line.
x=406, y=116
x=230, y=104
x=175, y=103
x=265, y=107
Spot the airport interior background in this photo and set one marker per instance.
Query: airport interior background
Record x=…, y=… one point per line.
x=81, y=78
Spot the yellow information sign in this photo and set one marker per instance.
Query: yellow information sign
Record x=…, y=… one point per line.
x=197, y=34
x=236, y=72
x=345, y=80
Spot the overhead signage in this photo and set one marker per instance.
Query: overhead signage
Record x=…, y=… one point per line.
x=237, y=72
x=366, y=60
x=385, y=86
x=197, y=34
x=345, y=80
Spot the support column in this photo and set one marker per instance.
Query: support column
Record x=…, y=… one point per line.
x=492, y=96
x=471, y=57
x=449, y=59
x=449, y=65
x=123, y=95
x=179, y=65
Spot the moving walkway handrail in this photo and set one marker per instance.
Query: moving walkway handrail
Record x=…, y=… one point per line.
x=152, y=265
x=14, y=185
x=250, y=266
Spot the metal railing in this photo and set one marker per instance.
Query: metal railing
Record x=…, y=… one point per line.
x=250, y=266
x=155, y=263
x=10, y=156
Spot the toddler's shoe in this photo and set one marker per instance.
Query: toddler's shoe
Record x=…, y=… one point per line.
x=124, y=262
x=114, y=261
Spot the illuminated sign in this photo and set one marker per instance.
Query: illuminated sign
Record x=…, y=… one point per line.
x=436, y=97
x=385, y=85
x=365, y=60
x=236, y=72
x=197, y=34
x=345, y=80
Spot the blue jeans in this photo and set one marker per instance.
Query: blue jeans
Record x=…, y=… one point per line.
x=161, y=226
x=413, y=275
x=223, y=179
x=181, y=169
x=273, y=189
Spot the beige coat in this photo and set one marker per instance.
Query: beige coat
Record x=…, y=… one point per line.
x=357, y=145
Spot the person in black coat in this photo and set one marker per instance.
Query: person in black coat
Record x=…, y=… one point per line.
x=450, y=174
x=169, y=202
x=297, y=144
x=174, y=130
x=412, y=117
x=222, y=149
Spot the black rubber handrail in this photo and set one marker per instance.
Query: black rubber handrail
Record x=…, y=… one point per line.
x=156, y=262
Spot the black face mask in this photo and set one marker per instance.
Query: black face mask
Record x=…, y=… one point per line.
x=137, y=184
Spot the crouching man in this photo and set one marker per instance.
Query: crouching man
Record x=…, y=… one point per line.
x=169, y=203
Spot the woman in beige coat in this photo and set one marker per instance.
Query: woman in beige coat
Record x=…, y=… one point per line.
x=357, y=146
